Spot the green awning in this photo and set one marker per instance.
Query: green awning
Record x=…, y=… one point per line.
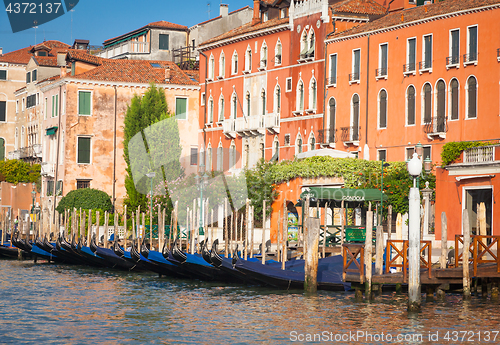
x=126, y=39
x=51, y=130
x=347, y=194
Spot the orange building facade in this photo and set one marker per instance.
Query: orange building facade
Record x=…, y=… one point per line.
x=428, y=74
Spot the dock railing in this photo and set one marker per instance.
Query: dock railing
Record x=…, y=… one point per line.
x=351, y=252
x=482, y=248
x=425, y=256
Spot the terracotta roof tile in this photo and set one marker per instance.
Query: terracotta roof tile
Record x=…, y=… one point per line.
x=49, y=61
x=23, y=55
x=247, y=28
x=416, y=14
x=82, y=55
x=359, y=7
x=159, y=24
x=137, y=71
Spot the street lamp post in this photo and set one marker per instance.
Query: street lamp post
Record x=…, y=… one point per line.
x=414, y=289
x=383, y=165
x=201, y=181
x=33, y=195
x=151, y=175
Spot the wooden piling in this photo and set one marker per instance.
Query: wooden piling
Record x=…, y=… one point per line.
x=81, y=232
x=106, y=222
x=160, y=240
x=143, y=227
x=252, y=229
x=125, y=226
x=133, y=228
x=226, y=226
x=98, y=224
x=263, y=245
x=284, y=251
x=231, y=231
x=389, y=222
x=194, y=225
x=247, y=222
x=399, y=236
x=89, y=228
x=379, y=250
x=342, y=221
x=325, y=233
x=279, y=236
x=444, y=240
x=311, y=243
x=209, y=244
x=304, y=222
x=151, y=226
x=368, y=254
x=494, y=290
x=465, y=255
x=482, y=221
x=115, y=226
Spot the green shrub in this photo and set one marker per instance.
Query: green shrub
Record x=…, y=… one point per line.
x=85, y=198
x=452, y=150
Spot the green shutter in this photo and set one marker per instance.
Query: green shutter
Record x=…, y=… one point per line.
x=2, y=149
x=84, y=103
x=57, y=105
x=3, y=107
x=3, y=74
x=83, y=150
x=180, y=108
x=52, y=106
x=163, y=42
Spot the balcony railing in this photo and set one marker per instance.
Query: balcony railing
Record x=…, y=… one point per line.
x=47, y=169
x=424, y=65
x=186, y=58
x=353, y=77
x=438, y=125
x=331, y=80
x=228, y=127
x=409, y=68
x=272, y=120
x=479, y=154
x=327, y=136
x=350, y=134
x=470, y=58
x=452, y=60
x=14, y=154
x=381, y=72
x=34, y=151
x=128, y=47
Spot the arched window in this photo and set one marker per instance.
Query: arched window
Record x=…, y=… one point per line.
x=263, y=55
x=276, y=149
x=234, y=67
x=247, y=155
x=262, y=151
x=312, y=142
x=382, y=109
x=311, y=42
x=248, y=101
x=355, y=118
x=303, y=45
x=471, y=98
x=211, y=68
x=210, y=110
x=277, y=53
x=312, y=94
x=222, y=65
x=23, y=143
x=410, y=106
x=277, y=99
x=427, y=103
x=208, y=163
x=454, y=99
x=298, y=145
x=221, y=108
x=234, y=106
x=263, y=101
x=300, y=96
x=441, y=105
x=232, y=155
x=219, y=157
x=248, y=59
x=2, y=149
x=331, y=132
x=16, y=139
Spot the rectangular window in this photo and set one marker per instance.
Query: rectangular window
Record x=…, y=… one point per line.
x=454, y=47
x=288, y=84
x=181, y=108
x=50, y=187
x=194, y=156
x=163, y=42
x=82, y=184
x=64, y=103
x=83, y=150
x=28, y=77
x=427, y=53
x=333, y=69
x=30, y=101
x=382, y=60
x=3, y=106
x=33, y=75
x=287, y=140
x=472, y=44
x=382, y=155
x=356, y=57
x=46, y=108
x=426, y=152
x=55, y=105
x=3, y=74
x=17, y=106
x=203, y=98
x=84, y=100
x=412, y=58
x=409, y=152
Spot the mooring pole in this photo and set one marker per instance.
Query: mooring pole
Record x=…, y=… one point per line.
x=414, y=288
x=444, y=240
x=263, y=245
x=465, y=254
x=368, y=253
x=311, y=243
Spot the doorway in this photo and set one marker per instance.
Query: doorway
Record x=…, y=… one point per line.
x=473, y=198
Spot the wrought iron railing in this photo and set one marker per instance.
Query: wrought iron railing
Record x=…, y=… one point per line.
x=425, y=64
x=185, y=58
x=124, y=48
x=381, y=72
x=410, y=67
x=354, y=76
x=469, y=58
x=326, y=136
x=332, y=80
x=351, y=133
x=437, y=124
x=452, y=60
x=34, y=151
x=479, y=154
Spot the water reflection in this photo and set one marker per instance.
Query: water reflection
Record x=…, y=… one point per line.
x=62, y=304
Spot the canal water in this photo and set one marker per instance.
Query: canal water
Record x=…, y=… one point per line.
x=58, y=304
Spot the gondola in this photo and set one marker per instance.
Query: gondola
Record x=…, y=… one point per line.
x=90, y=256
x=67, y=253
x=160, y=260
x=329, y=273
x=133, y=256
x=7, y=251
x=42, y=248
x=112, y=260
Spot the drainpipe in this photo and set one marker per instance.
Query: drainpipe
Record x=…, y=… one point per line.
x=205, y=110
x=114, y=155
x=57, y=160
x=366, y=148
x=325, y=94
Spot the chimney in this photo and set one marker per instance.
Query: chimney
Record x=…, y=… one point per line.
x=61, y=59
x=167, y=75
x=224, y=10
x=1, y=51
x=256, y=12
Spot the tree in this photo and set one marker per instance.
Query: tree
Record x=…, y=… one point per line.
x=87, y=199
x=151, y=144
x=15, y=171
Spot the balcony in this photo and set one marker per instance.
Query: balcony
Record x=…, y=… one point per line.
x=128, y=47
x=47, y=169
x=470, y=59
x=263, y=65
x=354, y=78
x=331, y=81
x=409, y=69
x=327, y=137
x=14, y=154
x=186, y=58
x=350, y=135
x=228, y=128
x=452, y=61
x=381, y=73
x=482, y=154
x=272, y=123
x=31, y=152
x=436, y=127
x=250, y=125
x=425, y=66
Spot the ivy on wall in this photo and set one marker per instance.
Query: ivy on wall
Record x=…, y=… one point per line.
x=452, y=150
